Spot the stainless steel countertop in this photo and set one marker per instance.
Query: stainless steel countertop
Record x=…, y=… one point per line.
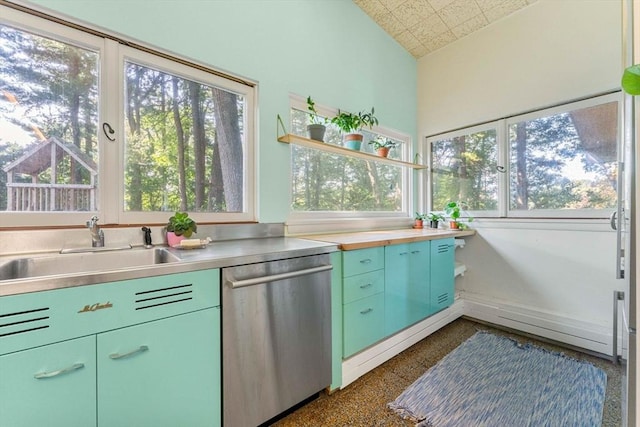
x=215, y=255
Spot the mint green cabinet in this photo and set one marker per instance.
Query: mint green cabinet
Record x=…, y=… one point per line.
x=142, y=352
x=162, y=373
x=363, y=299
x=406, y=281
x=442, y=274
x=52, y=385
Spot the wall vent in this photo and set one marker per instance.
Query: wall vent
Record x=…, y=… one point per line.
x=163, y=296
x=442, y=298
x=21, y=322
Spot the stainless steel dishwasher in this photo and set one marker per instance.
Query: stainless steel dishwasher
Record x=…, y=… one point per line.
x=276, y=337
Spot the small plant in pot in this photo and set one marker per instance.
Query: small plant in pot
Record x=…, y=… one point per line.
x=317, y=127
x=180, y=227
x=383, y=145
x=454, y=212
x=418, y=221
x=434, y=218
x=351, y=124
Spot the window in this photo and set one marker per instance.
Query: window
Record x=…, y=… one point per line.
x=179, y=137
x=464, y=169
x=558, y=162
x=331, y=186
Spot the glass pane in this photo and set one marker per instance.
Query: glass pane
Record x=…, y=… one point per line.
x=464, y=170
x=184, y=144
x=328, y=182
x=565, y=161
x=48, y=112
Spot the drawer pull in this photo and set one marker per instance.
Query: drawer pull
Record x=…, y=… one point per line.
x=43, y=375
x=368, y=285
x=404, y=253
x=365, y=261
x=140, y=349
x=415, y=252
x=368, y=310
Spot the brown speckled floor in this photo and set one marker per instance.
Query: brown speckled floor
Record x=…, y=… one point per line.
x=364, y=402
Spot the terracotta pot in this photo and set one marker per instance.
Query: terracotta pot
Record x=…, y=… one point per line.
x=453, y=225
x=353, y=140
x=418, y=223
x=383, y=151
x=173, y=240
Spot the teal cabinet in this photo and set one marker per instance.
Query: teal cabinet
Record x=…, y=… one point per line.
x=140, y=352
x=407, y=293
x=52, y=385
x=162, y=373
x=442, y=274
x=362, y=298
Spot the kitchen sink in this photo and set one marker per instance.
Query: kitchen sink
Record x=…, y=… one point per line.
x=73, y=263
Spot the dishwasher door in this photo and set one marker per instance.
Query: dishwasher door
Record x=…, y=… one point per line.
x=276, y=337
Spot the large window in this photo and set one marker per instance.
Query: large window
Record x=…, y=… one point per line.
x=326, y=185
x=557, y=162
x=91, y=125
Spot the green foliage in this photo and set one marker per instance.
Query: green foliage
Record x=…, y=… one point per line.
x=313, y=114
x=182, y=225
x=350, y=122
x=454, y=211
x=420, y=216
x=381, y=142
x=434, y=216
x=631, y=80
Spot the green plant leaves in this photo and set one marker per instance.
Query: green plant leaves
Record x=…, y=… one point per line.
x=631, y=80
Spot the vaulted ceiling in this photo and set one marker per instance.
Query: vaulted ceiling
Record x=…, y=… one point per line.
x=423, y=26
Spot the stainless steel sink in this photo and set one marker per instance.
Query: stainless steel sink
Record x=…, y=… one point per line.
x=72, y=263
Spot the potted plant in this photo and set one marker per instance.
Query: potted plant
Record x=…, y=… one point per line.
x=454, y=211
x=434, y=218
x=383, y=145
x=351, y=124
x=418, y=220
x=180, y=227
x=317, y=126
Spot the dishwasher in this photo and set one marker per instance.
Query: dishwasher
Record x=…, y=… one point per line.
x=276, y=337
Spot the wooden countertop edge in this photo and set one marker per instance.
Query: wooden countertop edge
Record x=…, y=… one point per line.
x=372, y=239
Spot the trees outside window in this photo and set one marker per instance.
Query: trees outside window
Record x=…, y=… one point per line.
x=166, y=136
x=556, y=162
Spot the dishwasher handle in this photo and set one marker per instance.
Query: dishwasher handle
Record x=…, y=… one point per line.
x=275, y=277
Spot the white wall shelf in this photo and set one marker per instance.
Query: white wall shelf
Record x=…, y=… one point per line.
x=332, y=148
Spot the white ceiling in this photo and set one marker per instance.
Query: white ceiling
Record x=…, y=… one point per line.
x=423, y=26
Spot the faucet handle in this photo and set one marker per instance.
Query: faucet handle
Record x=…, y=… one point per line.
x=93, y=221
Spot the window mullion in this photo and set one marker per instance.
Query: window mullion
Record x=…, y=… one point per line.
x=110, y=101
x=503, y=174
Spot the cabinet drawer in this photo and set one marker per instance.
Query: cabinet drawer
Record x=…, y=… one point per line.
x=39, y=318
x=363, y=323
x=362, y=261
x=362, y=285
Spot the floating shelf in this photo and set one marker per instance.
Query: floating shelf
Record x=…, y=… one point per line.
x=332, y=148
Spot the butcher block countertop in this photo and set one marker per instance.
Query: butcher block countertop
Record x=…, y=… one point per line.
x=370, y=239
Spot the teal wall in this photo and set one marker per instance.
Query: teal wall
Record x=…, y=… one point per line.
x=354, y=64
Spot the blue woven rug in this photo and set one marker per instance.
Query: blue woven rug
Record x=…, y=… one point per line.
x=493, y=381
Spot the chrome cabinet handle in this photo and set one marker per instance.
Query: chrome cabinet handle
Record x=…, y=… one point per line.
x=43, y=375
x=140, y=349
x=415, y=252
x=365, y=261
x=368, y=310
x=403, y=253
x=368, y=285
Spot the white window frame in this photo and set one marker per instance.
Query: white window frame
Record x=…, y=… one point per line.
x=504, y=160
x=308, y=222
x=110, y=199
x=498, y=126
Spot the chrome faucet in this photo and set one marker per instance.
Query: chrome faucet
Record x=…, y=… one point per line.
x=97, y=235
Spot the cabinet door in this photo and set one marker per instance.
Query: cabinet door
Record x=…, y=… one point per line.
x=161, y=373
x=52, y=385
x=406, y=285
x=363, y=323
x=442, y=275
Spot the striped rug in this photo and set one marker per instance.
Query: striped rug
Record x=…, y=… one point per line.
x=494, y=381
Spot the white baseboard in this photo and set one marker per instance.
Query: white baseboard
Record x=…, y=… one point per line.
x=374, y=356
x=569, y=331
